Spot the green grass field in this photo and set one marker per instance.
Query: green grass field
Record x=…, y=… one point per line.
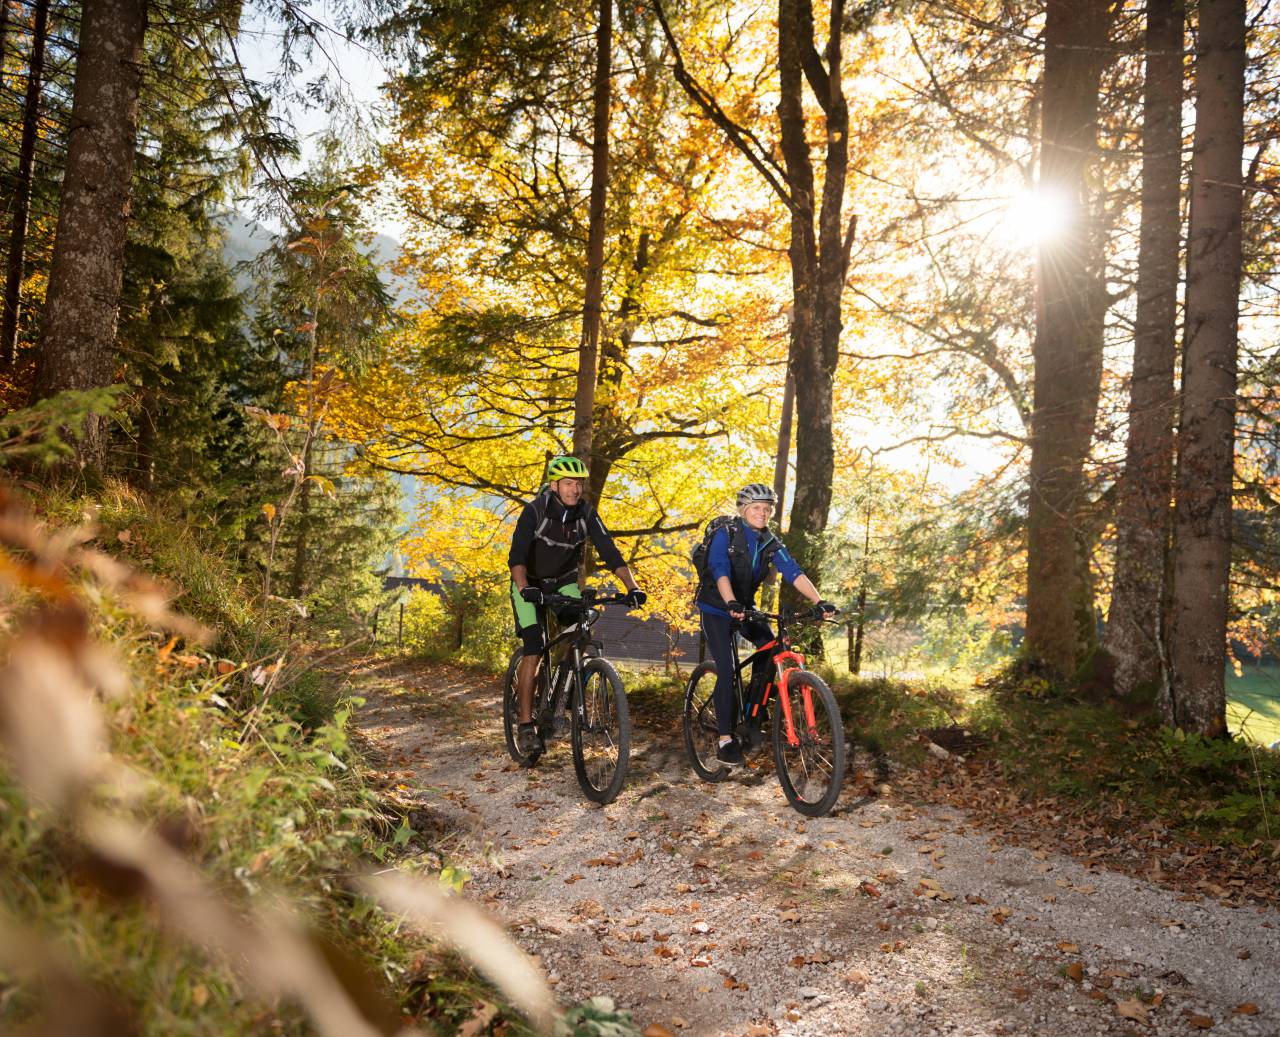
x=1253, y=703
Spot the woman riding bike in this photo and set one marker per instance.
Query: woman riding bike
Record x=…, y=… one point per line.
x=545, y=553
x=738, y=558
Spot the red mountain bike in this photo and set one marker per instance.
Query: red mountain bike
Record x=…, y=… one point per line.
x=808, y=734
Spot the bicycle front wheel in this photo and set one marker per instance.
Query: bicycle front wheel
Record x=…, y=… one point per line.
x=511, y=708
x=701, y=734
x=808, y=743
x=601, y=734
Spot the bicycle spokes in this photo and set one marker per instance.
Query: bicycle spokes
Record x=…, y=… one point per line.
x=809, y=745
x=601, y=733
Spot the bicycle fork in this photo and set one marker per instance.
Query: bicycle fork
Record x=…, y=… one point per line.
x=788, y=717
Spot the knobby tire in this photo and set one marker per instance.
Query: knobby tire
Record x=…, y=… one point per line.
x=601, y=732
x=511, y=708
x=812, y=772
x=701, y=736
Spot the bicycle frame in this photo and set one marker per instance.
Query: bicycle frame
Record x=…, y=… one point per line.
x=780, y=653
x=590, y=605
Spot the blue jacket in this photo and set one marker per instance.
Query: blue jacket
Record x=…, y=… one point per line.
x=759, y=550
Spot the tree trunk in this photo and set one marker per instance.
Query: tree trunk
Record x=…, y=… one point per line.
x=784, y=445
x=817, y=270
x=584, y=398
x=1206, y=439
x=22, y=186
x=77, y=349
x=1135, y=622
x=1068, y=343
x=301, y=550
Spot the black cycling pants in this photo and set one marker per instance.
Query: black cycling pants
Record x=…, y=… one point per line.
x=718, y=631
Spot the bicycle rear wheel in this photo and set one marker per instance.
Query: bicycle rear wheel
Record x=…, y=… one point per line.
x=701, y=734
x=511, y=708
x=808, y=752
x=601, y=735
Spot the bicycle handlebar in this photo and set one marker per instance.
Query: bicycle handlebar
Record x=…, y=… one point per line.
x=809, y=615
x=588, y=599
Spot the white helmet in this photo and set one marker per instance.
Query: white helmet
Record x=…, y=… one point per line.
x=755, y=492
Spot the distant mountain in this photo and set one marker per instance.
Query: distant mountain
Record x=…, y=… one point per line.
x=246, y=239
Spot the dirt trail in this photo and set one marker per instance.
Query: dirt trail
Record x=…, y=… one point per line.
x=715, y=909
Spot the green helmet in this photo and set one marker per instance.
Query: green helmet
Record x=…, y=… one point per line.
x=566, y=467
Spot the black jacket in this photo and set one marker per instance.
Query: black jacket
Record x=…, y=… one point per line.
x=549, y=539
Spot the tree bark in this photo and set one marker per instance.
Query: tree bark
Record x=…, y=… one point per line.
x=1206, y=440
x=818, y=251
x=584, y=398
x=817, y=263
x=22, y=186
x=784, y=445
x=1143, y=515
x=77, y=349
x=1067, y=352
x=301, y=544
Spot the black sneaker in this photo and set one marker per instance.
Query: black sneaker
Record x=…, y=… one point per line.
x=528, y=741
x=730, y=754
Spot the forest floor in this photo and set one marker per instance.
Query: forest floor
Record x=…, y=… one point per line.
x=717, y=909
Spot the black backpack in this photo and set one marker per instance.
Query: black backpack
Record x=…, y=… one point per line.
x=699, y=555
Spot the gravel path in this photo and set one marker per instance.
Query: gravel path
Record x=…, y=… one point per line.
x=716, y=909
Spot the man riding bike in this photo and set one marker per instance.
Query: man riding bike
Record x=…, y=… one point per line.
x=546, y=551
x=738, y=557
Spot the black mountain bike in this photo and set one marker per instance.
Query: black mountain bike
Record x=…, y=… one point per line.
x=808, y=734
x=586, y=684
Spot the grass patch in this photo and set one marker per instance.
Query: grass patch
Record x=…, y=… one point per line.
x=1253, y=703
x=885, y=715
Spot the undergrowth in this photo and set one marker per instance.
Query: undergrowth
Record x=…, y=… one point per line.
x=1221, y=790
x=267, y=801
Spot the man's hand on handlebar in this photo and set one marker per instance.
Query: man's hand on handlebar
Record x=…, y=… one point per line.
x=635, y=598
x=533, y=595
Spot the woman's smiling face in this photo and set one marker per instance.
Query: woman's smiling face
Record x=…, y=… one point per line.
x=757, y=513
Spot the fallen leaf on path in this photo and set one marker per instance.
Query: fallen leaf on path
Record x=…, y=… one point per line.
x=1248, y=1008
x=1069, y=948
x=733, y=983
x=657, y=1030
x=1075, y=971
x=789, y=916
x=1132, y=1009
x=588, y=909
x=1200, y=1022
x=572, y=879
x=759, y=1030
x=857, y=978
